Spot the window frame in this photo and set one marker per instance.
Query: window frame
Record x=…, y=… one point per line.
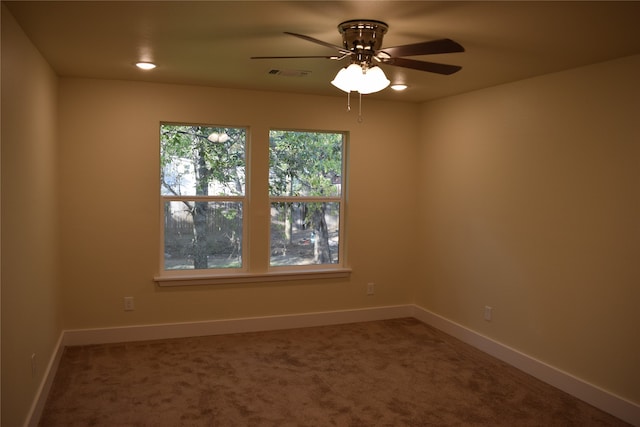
x=248, y=273
x=341, y=200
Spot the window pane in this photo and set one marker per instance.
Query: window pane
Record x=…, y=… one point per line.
x=304, y=233
x=305, y=163
x=201, y=235
x=202, y=160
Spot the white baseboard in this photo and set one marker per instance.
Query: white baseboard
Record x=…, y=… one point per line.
x=35, y=412
x=231, y=326
x=608, y=402
x=625, y=410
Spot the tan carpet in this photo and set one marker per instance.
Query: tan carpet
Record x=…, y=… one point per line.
x=388, y=373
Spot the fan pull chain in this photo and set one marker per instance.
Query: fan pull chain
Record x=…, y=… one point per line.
x=359, y=105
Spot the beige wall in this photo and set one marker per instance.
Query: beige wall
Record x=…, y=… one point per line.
x=531, y=205
x=527, y=200
x=31, y=322
x=109, y=186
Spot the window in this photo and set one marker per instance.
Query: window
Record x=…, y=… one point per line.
x=207, y=219
x=203, y=181
x=305, y=186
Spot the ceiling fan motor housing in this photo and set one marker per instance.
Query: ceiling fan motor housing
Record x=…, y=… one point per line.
x=363, y=38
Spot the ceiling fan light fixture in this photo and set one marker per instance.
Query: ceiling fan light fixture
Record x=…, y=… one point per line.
x=218, y=137
x=356, y=79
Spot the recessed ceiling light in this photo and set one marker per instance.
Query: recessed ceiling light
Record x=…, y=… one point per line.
x=398, y=87
x=146, y=65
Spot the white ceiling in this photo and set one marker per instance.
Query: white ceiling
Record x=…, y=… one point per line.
x=210, y=42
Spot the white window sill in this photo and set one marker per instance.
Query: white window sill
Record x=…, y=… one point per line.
x=272, y=276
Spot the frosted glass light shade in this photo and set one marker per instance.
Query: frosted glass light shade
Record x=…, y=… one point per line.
x=373, y=80
x=354, y=79
x=348, y=79
x=218, y=137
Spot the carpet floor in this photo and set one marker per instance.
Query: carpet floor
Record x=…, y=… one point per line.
x=397, y=372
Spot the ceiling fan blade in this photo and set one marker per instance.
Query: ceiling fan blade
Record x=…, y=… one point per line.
x=424, y=48
x=335, y=57
x=431, y=67
x=320, y=42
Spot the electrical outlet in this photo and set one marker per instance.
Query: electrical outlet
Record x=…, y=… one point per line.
x=371, y=288
x=128, y=304
x=488, y=312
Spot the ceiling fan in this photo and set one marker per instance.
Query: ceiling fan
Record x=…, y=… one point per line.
x=362, y=44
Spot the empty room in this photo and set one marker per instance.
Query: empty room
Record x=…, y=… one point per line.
x=309, y=213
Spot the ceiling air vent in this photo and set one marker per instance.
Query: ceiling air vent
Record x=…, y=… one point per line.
x=290, y=73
